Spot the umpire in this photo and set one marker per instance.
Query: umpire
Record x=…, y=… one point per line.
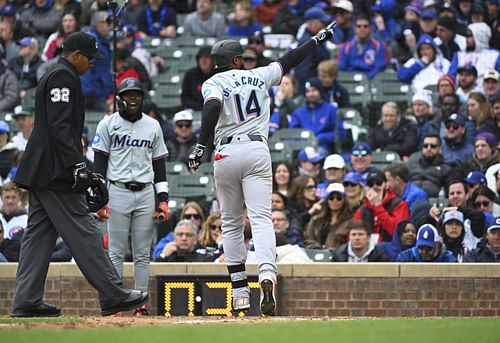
x=53, y=169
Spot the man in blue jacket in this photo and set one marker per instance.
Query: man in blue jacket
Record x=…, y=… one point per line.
x=428, y=248
x=320, y=117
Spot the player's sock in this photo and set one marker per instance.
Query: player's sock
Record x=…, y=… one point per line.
x=239, y=282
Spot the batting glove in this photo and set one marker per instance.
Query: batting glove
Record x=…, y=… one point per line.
x=104, y=212
x=325, y=34
x=80, y=177
x=195, y=156
x=162, y=213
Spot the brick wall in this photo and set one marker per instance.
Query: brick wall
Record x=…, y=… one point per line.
x=314, y=289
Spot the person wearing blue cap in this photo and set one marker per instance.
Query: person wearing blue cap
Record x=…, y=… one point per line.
x=309, y=162
x=361, y=159
x=428, y=248
x=26, y=65
x=455, y=148
x=488, y=249
x=354, y=186
x=453, y=231
x=8, y=151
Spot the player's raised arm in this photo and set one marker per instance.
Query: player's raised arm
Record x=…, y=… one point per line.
x=297, y=55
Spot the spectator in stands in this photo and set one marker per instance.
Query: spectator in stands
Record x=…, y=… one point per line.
x=426, y=67
x=334, y=169
x=26, y=64
x=210, y=236
x=478, y=13
x=333, y=90
x=381, y=208
x=404, y=238
x=360, y=247
x=483, y=198
x=485, y=153
x=474, y=179
x=467, y=82
x=8, y=15
x=423, y=114
x=450, y=104
x=97, y=83
x=447, y=40
x=24, y=124
x=281, y=224
x=316, y=20
x=489, y=249
x=479, y=112
x=286, y=101
x=327, y=228
x=491, y=84
x=344, y=31
x=249, y=58
x=455, y=148
x=320, y=117
x=428, y=248
x=495, y=108
x=355, y=192
x=42, y=16
x=130, y=67
x=205, y=21
x=477, y=52
x=267, y=10
x=492, y=8
x=158, y=20
x=7, y=36
x=132, y=12
x=9, y=89
x=290, y=18
x=282, y=178
x=428, y=21
x=394, y=132
x=9, y=248
x=13, y=217
x=303, y=202
x=180, y=146
x=183, y=247
x=242, y=22
x=383, y=22
x=309, y=162
x=429, y=171
x=278, y=200
x=53, y=46
x=463, y=8
x=89, y=7
x=404, y=46
x=453, y=232
x=398, y=180
x=363, y=53
x=151, y=109
x=257, y=41
x=8, y=152
x=361, y=159
x=445, y=86
x=193, y=79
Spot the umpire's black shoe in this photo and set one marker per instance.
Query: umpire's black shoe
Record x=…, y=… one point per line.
x=135, y=299
x=42, y=310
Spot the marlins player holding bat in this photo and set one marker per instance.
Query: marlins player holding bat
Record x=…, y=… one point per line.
x=130, y=152
x=236, y=105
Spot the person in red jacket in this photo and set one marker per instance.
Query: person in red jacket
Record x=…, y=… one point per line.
x=382, y=210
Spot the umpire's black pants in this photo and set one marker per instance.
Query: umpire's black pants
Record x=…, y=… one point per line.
x=51, y=214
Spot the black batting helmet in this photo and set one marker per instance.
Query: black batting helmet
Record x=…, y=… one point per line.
x=130, y=84
x=224, y=51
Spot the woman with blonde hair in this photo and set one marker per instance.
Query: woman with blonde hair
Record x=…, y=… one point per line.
x=478, y=110
x=354, y=190
x=211, y=232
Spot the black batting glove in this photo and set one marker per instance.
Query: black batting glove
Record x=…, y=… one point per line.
x=81, y=178
x=195, y=156
x=325, y=34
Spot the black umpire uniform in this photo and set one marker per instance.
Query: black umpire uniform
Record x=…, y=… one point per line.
x=47, y=170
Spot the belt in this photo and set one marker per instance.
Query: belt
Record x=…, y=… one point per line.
x=131, y=186
x=254, y=138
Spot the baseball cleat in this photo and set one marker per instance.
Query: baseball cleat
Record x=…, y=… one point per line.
x=241, y=303
x=267, y=298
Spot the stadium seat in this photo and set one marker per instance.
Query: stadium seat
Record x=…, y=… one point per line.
x=206, y=168
x=415, y=156
x=382, y=159
x=294, y=139
x=320, y=255
x=176, y=203
x=176, y=168
x=192, y=187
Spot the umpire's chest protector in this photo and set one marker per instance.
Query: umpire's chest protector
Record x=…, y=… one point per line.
x=55, y=143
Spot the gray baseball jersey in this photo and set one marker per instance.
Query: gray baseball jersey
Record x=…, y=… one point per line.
x=245, y=99
x=131, y=147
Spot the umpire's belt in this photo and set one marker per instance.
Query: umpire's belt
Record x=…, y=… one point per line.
x=131, y=186
x=255, y=138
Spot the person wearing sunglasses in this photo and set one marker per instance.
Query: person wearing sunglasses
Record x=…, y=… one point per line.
x=483, y=199
x=429, y=172
x=210, y=235
x=361, y=160
x=355, y=191
x=455, y=147
x=382, y=210
x=184, y=140
x=327, y=229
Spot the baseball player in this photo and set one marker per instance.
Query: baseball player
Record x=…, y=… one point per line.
x=130, y=151
x=53, y=169
x=236, y=105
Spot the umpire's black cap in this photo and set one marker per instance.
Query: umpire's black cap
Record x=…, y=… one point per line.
x=83, y=42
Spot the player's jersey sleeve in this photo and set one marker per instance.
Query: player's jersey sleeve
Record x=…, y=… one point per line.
x=101, y=141
x=159, y=149
x=211, y=90
x=271, y=74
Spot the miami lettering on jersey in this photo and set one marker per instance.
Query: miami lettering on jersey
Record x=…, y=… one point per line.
x=244, y=80
x=126, y=140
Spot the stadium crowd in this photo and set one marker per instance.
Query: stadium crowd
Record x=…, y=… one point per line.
x=440, y=203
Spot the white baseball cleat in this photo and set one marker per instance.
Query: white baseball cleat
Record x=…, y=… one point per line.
x=241, y=303
x=267, y=298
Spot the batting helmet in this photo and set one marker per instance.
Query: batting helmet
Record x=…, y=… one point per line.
x=224, y=51
x=97, y=194
x=130, y=84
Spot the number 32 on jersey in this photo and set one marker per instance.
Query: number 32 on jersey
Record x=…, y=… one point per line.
x=249, y=110
x=59, y=94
